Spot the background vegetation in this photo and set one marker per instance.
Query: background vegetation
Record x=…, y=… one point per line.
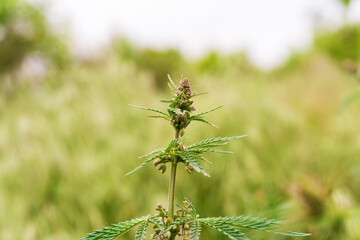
x=68, y=137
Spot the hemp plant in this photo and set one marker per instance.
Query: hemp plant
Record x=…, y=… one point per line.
x=184, y=222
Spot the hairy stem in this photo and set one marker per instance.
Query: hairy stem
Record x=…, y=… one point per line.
x=172, y=187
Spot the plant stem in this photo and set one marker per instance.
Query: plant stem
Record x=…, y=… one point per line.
x=172, y=184
x=172, y=189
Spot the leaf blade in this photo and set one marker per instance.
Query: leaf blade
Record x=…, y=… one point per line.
x=201, y=119
x=143, y=164
x=195, y=230
x=209, y=111
x=141, y=231
x=149, y=109
x=191, y=160
x=114, y=230
x=229, y=231
x=212, y=141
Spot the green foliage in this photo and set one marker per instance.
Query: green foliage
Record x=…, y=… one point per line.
x=190, y=159
x=229, y=231
x=190, y=156
x=195, y=230
x=141, y=231
x=175, y=153
x=343, y=43
x=155, y=62
x=346, y=3
x=213, y=142
x=25, y=32
x=74, y=135
x=115, y=230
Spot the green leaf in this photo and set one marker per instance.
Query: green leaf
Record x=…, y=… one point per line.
x=191, y=160
x=141, y=231
x=202, y=150
x=213, y=141
x=229, y=231
x=114, y=230
x=177, y=222
x=201, y=119
x=200, y=157
x=193, y=210
x=199, y=94
x=263, y=224
x=143, y=164
x=150, y=109
x=164, y=117
x=208, y=111
x=171, y=84
x=153, y=152
x=195, y=230
x=157, y=222
x=191, y=206
x=174, y=110
x=172, y=144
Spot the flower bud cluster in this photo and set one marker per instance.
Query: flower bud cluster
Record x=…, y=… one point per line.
x=160, y=163
x=163, y=216
x=180, y=120
x=184, y=229
x=183, y=102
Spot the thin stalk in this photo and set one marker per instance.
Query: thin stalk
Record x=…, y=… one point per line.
x=172, y=184
x=172, y=189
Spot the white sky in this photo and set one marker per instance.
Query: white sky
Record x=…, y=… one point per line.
x=267, y=29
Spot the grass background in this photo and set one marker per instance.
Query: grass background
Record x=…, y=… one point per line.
x=67, y=141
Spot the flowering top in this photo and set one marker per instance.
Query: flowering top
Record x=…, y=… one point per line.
x=181, y=105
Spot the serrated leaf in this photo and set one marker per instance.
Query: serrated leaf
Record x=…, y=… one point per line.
x=293, y=234
x=213, y=141
x=174, y=110
x=141, y=231
x=191, y=206
x=150, y=109
x=263, y=224
x=193, y=212
x=199, y=94
x=202, y=150
x=191, y=160
x=208, y=111
x=157, y=222
x=201, y=119
x=144, y=163
x=114, y=230
x=195, y=230
x=172, y=144
x=164, y=117
x=153, y=152
x=177, y=222
x=201, y=158
x=229, y=231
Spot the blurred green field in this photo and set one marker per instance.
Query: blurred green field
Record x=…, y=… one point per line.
x=67, y=141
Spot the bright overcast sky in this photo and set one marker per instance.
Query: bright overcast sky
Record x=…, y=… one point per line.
x=266, y=30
